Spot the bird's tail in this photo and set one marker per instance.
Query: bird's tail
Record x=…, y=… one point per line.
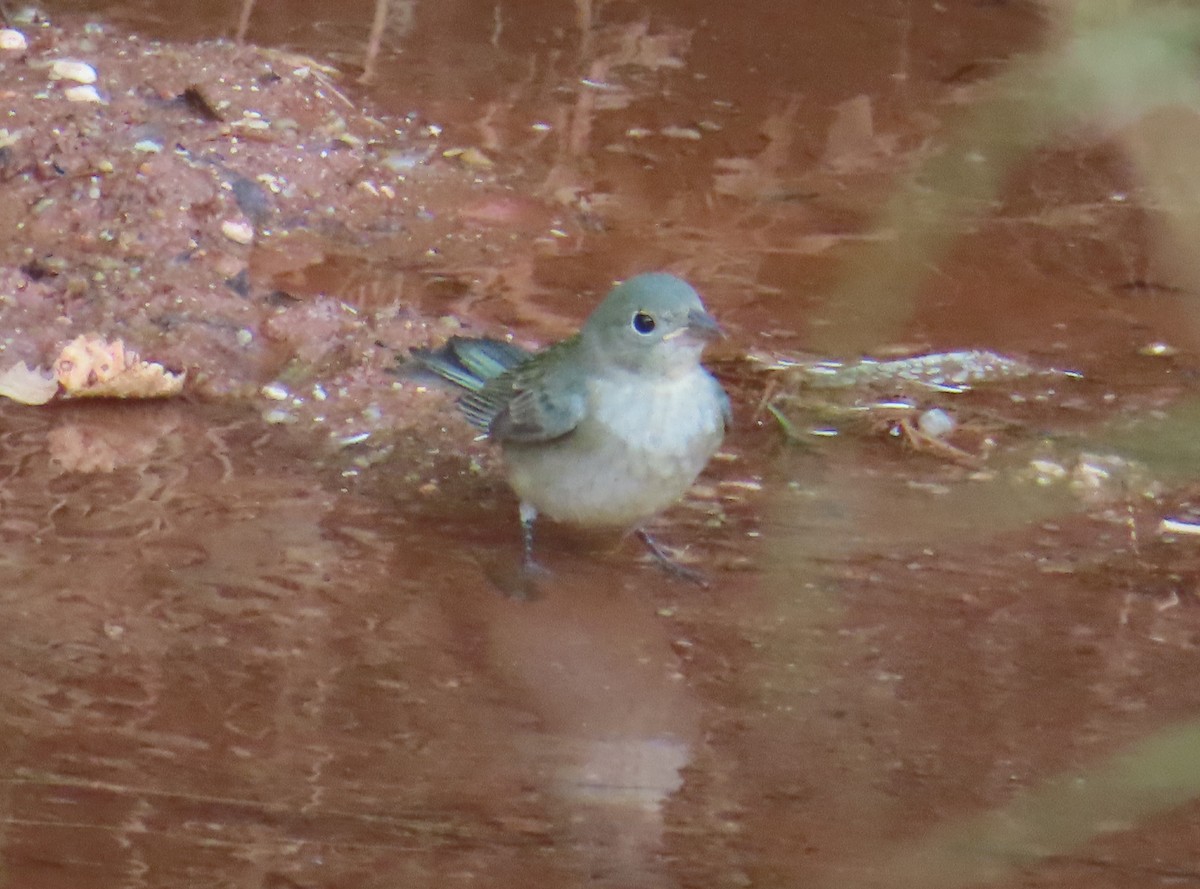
x=469, y=363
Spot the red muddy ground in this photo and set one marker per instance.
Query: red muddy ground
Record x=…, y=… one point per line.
x=255, y=636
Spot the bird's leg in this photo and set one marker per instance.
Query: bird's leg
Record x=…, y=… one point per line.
x=668, y=564
x=522, y=584
x=529, y=515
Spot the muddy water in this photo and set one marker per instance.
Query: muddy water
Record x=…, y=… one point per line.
x=234, y=658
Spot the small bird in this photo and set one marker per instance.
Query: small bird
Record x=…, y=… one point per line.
x=606, y=428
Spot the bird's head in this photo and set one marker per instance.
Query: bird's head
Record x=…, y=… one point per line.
x=652, y=323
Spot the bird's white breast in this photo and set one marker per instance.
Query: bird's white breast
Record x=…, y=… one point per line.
x=639, y=447
x=666, y=417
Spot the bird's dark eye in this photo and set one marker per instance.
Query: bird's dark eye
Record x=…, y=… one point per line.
x=643, y=323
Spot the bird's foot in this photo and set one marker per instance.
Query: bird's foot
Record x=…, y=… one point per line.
x=533, y=568
x=669, y=564
x=519, y=581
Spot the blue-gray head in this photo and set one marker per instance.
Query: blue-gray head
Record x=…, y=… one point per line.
x=651, y=323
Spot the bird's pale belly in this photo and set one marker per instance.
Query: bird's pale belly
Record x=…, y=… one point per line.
x=635, y=454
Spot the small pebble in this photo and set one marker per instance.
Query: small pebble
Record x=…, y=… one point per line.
x=1178, y=526
x=1158, y=350
x=276, y=391
x=407, y=159
x=681, y=133
x=86, y=93
x=1048, y=469
x=935, y=423
x=279, y=416
x=238, y=231
x=72, y=69
x=12, y=40
x=470, y=157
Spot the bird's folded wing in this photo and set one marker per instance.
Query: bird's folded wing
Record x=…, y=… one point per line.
x=537, y=401
x=470, y=363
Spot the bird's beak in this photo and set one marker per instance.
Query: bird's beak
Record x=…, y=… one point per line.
x=702, y=325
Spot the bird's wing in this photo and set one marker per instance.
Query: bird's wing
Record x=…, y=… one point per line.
x=539, y=400
x=470, y=363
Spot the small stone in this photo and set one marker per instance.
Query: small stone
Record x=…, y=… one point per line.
x=1179, y=526
x=470, y=157
x=72, y=69
x=86, y=93
x=408, y=159
x=936, y=423
x=1158, y=350
x=682, y=133
x=279, y=417
x=12, y=40
x=238, y=230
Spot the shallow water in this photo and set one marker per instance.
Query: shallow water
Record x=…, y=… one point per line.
x=237, y=658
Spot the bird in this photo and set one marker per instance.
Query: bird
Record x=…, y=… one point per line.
x=607, y=428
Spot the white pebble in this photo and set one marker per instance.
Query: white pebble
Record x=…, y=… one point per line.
x=12, y=40
x=1048, y=469
x=278, y=416
x=681, y=133
x=276, y=391
x=935, y=423
x=1178, y=526
x=72, y=69
x=1158, y=350
x=84, y=93
x=238, y=231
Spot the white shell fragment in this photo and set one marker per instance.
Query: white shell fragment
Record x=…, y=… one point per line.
x=12, y=40
x=72, y=69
